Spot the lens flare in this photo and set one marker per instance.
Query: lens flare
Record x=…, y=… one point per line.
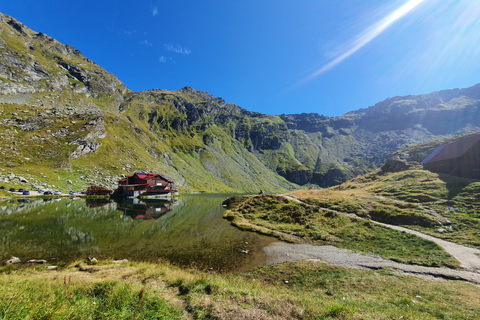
x=368, y=35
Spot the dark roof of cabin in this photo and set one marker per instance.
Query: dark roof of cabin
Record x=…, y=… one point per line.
x=166, y=178
x=146, y=176
x=452, y=150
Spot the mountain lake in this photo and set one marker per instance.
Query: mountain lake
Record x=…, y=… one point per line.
x=187, y=231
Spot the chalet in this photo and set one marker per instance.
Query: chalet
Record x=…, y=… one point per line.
x=145, y=184
x=459, y=158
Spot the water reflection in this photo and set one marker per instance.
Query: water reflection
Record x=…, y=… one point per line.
x=143, y=209
x=189, y=231
x=97, y=203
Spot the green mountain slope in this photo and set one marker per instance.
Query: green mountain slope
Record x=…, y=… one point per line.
x=65, y=120
x=440, y=205
x=360, y=141
x=68, y=123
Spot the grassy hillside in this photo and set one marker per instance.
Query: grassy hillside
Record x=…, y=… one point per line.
x=400, y=193
x=441, y=205
x=67, y=123
x=296, y=222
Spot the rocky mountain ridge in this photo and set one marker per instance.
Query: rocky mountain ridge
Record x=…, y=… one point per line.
x=64, y=118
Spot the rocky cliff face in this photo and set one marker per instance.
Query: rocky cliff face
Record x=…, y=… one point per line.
x=33, y=62
x=362, y=140
x=65, y=118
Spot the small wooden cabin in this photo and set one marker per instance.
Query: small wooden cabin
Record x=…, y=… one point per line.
x=459, y=158
x=138, y=183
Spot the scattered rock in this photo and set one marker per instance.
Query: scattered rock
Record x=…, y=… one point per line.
x=120, y=261
x=13, y=260
x=91, y=260
x=51, y=267
x=37, y=261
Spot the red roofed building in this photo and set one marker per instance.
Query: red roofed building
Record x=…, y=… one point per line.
x=459, y=158
x=145, y=184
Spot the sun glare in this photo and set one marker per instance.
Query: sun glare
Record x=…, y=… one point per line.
x=368, y=35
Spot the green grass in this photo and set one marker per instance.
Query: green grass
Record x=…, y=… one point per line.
x=303, y=290
x=291, y=221
x=416, y=199
x=47, y=298
x=204, y=152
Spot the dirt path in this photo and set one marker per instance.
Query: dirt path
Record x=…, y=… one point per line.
x=287, y=252
x=469, y=258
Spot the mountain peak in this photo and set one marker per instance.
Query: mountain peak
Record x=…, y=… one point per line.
x=60, y=107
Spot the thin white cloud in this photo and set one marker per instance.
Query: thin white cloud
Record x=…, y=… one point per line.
x=155, y=11
x=367, y=35
x=129, y=33
x=177, y=49
x=146, y=43
x=162, y=59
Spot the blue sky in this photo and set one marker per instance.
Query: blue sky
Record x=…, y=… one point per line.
x=273, y=56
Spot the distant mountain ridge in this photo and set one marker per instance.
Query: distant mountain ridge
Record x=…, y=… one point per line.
x=66, y=121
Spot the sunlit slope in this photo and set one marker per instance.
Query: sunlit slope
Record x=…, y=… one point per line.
x=68, y=123
x=441, y=205
x=97, y=148
x=188, y=135
x=361, y=141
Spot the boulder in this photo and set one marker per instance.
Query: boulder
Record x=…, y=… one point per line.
x=91, y=260
x=395, y=165
x=22, y=180
x=13, y=260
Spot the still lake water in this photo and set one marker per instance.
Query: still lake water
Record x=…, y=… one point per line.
x=188, y=231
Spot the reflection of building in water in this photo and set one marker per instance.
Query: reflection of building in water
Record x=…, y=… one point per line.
x=139, y=209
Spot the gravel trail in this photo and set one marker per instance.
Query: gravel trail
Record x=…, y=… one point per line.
x=469, y=258
x=287, y=252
